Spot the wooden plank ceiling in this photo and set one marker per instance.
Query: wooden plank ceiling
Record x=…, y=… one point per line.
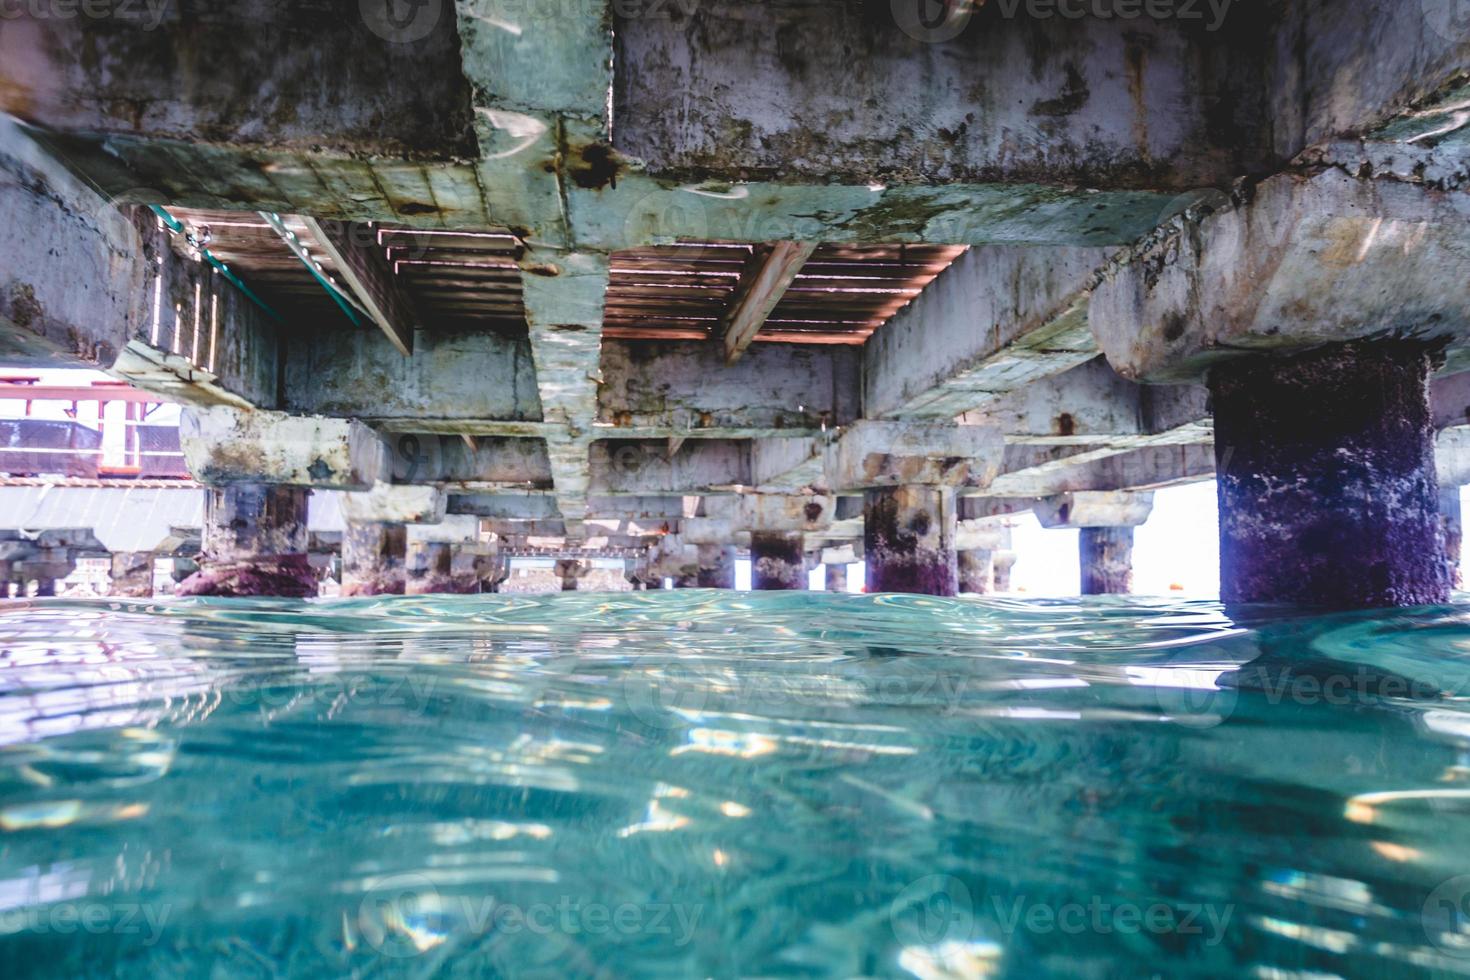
x=469, y=280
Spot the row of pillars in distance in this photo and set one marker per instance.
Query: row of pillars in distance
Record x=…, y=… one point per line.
x=1325, y=465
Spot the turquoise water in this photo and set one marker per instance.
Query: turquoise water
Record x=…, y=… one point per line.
x=700, y=784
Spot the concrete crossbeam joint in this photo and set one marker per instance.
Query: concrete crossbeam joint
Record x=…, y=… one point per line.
x=254, y=543
x=777, y=561
x=908, y=540
x=373, y=555
x=1327, y=483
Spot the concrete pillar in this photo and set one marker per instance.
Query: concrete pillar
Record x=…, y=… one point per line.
x=716, y=566
x=1106, y=555
x=1451, y=532
x=836, y=578
x=373, y=555
x=45, y=588
x=975, y=569
x=687, y=581
x=1000, y=568
x=569, y=570
x=132, y=574
x=499, y=573
x=254, y=544
x=1327, y=486
x=434, y=567
x=777, y=561
x=908, y=540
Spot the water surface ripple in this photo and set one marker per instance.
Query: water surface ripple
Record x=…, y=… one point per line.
x=717, y=784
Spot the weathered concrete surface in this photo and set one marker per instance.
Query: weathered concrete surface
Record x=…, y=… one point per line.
x=310, y=76
x=225, y=445
x=254, y=544
x=1096, y=508
x=996, y=319
x=452, y=375
x=564, y=303
x=716, y=566
x=1308, y=260
x=1090, y=405
x=908, y=540
x=777, y=562
x=1106, y=557
x=373, y=556
x=132, y=574
x=836, y=578
x=1327, y=486
x=731, y=92
x=91, y=281
x=1001, y=564
x=679, y=388
x=877, y=454
x=1452, y=532
x=391, y=503
x=434, y=567
x=976, y=568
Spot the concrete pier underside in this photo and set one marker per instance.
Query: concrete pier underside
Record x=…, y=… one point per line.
x=654, y=288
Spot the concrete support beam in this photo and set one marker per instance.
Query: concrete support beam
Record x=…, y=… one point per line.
x=132, y=574
x=888, y=454
x=1094, y=508
x=226, y=445
x=254, y=544
x=976, y=570
x=564, y=302
x=683, y=387
x=373, y=555
x=108, y=290
x=836, y=578
x=908, y=540
x=777, y=561
x=1306, y=261
x=1327, y=484
x=995, y=320
x=395, y=503
x=1106, y=556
